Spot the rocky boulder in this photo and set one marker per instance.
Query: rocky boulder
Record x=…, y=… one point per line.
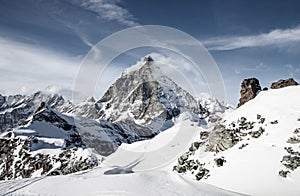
x=249, y=89
x=283, y=83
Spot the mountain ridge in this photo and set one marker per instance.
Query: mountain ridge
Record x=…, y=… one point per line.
x=141, y=103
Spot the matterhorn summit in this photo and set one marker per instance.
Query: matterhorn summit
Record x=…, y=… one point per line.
x=146, y=96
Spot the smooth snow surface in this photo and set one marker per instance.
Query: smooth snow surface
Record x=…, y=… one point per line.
x=95, y=183
x=158, y=152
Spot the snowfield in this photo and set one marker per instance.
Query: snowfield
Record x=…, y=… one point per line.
x=198, y=146
x=145, y=167
x=124, y=174
x=254, y=169
x=95, y=183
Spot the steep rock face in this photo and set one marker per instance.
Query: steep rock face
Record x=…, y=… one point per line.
x=249, y=89
x=145, y=96
x=284, y=83
x=88, y=108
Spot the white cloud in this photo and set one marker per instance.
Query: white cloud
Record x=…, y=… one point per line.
x=109, y=10
x=277, y=38
x=25, y=68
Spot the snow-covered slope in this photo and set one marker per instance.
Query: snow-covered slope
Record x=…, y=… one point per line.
x=47, y=143
x=253, y=149
x=122, y=178
x=15, y=109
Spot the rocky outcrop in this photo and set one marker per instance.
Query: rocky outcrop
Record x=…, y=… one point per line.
x=283, y=83
x=47, y=143
x=18, y=162
x=220, y=137
x=291, y=160
x=249, y=89
x=191, y=165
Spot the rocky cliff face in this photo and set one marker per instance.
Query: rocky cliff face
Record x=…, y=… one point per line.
x=88, y=108
x=284, y=83
x=249, y=89
x=46, y=144
x=144, y=96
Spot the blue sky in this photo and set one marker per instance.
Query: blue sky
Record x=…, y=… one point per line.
x=43, y=42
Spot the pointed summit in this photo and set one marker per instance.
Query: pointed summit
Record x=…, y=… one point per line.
x=145, y=96
x=148, y=60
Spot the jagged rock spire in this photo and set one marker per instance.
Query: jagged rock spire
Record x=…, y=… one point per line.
x=148, y=59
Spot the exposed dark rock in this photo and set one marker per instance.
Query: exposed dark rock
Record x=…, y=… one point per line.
x=220, y=161
x=148, y=59
x=202, y=173
x=12, y=149
x=291, y=151
x=222, y=139
x=293, y=140
x=249, y=89
x=243, y=146
x=274, y=122
x=262, y=120
x=179, y=169
x=246, y=125
x=194, y=146
x=204, y=135
x=257, y=134
x=258, y=116
x=283, y=173
x=214, y=118
x=265, y=89
x=292, y=160
x=283, y=83
x=242, y=120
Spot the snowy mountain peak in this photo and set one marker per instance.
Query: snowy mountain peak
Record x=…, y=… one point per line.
x=145, y=95
x=148, y=60
x=90, y=100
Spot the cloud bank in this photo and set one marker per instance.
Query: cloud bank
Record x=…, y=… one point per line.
x=26, y=68
x=276, y=38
